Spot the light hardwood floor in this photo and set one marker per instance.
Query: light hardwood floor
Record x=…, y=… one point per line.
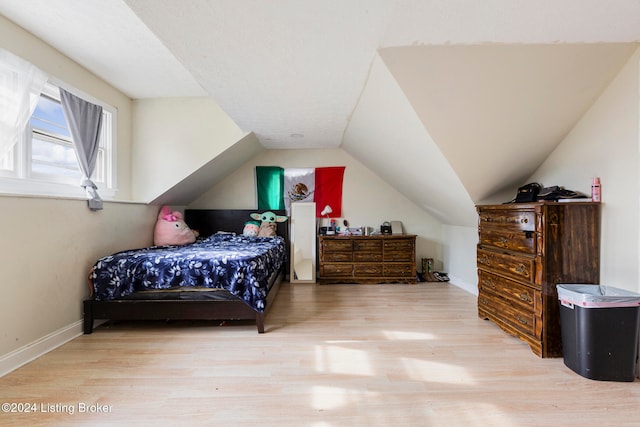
x=333, y=355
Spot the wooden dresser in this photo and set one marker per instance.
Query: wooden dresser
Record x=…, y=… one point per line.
x=524, y=250
x=367, y=259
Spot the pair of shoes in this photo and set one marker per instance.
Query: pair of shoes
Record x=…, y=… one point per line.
x=442, y=277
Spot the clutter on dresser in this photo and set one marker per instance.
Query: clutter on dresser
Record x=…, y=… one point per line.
x=535, y=192
x=353, y=231
x=326, y=231
x=596, y=195
x=385, y=228
x=528, y=193
x=555, y=193
x=330, y=228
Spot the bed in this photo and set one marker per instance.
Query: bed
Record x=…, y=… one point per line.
x=222, y=276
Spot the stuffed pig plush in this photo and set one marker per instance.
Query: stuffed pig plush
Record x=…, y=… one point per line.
x=171, y=229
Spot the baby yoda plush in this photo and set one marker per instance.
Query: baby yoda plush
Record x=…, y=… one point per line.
x=268, y=225
x=171, y=229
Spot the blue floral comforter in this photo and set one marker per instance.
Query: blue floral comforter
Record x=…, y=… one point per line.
x=240, y=264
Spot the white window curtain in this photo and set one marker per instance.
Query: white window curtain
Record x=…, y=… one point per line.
x=84, y=120
x=20, y=86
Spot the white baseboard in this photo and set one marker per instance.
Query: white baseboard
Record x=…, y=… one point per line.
x=17, y=358
x=471, y=288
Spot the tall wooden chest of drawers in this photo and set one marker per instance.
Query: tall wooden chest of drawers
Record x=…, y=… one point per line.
x=524, y=250
x=367, y=259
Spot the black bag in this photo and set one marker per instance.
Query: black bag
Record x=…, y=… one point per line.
x=556, y=192
x=528, y=193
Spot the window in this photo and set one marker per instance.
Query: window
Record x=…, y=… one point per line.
x=44, y=161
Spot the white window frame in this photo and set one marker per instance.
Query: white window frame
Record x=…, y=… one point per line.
x=21, y=182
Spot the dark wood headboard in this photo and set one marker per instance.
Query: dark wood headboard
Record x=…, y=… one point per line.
x=210, y=221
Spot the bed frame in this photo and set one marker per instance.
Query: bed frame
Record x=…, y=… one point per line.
x=207, y=222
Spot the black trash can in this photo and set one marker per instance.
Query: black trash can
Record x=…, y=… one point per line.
x=599, y=326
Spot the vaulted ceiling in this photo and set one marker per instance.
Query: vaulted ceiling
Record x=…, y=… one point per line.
x=441, y=98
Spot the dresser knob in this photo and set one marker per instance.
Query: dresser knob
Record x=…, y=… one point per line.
x=521, y=268
x=489, y=283
x=525, y=297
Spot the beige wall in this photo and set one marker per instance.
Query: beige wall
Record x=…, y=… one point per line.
x=606, y=143
x=459, y=256
x=49, y=244
x=367, y=199
x=174, y=137
x=47, y=253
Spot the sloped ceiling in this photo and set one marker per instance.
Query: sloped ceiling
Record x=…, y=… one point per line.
x=494, y=84
x=497, y=111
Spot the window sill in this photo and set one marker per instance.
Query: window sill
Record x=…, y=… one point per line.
x=22, y=188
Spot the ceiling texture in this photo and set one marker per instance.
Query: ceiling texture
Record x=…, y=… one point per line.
x=473, y=83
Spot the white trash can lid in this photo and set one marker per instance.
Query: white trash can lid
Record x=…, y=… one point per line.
x=597, y=296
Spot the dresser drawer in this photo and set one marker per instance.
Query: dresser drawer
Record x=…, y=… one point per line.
x=508, y=219
x=514, y=292
x=339, y=245
x=515, y=316
x=397, y=256
x=337, y=256
x=336, y=270
x=517, y=241
x=399, y=245
x=367, y=256
x=367, y=270
x=368, y=245
x=367, y=250
x=521, y=268
x=401, y=250
x=399, y=270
